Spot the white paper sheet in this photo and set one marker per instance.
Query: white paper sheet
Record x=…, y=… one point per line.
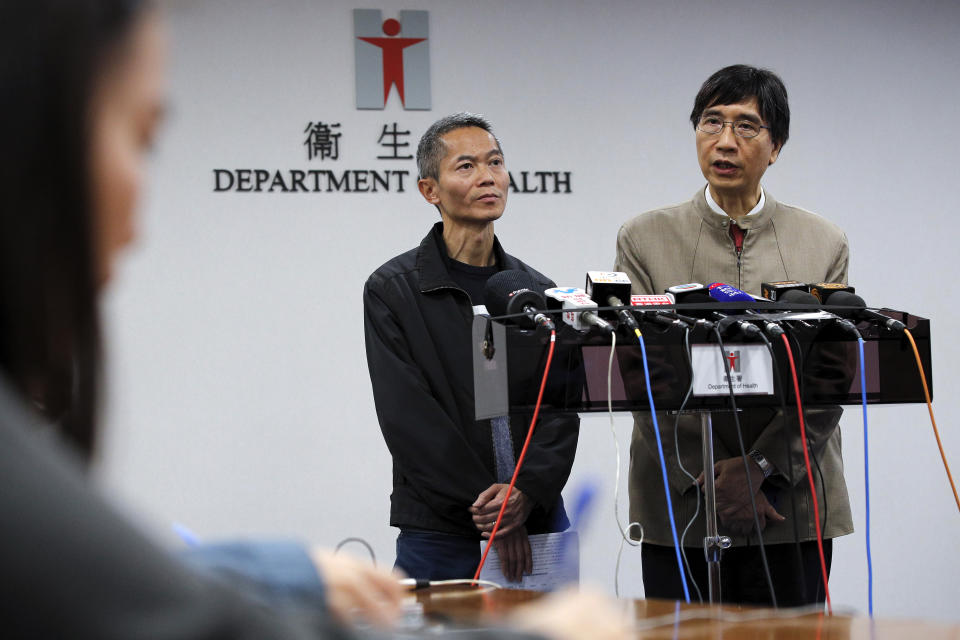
x=556, y=563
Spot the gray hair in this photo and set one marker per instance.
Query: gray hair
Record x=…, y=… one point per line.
x=431, y=149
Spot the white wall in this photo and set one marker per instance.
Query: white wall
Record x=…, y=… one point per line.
x=239, y=399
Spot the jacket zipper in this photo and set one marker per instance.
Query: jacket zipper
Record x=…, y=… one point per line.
x=737, y=241
x=739, y=275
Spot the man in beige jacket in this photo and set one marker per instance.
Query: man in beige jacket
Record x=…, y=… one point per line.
x=733, y=231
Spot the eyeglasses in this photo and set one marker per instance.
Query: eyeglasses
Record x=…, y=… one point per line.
x=743, y=128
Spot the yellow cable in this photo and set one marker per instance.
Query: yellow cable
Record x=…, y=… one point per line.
x=936, y=433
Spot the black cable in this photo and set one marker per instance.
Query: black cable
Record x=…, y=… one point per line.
x=798, y=361
x=789, y=473
x=373, y=556
x=807, y=444
x=799, y=357
x=746, y=467
x=823, y=522
x=823, y=489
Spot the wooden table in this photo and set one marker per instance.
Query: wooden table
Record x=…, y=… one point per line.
x=667, y=619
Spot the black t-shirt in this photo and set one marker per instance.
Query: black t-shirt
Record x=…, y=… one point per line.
x=471, y=279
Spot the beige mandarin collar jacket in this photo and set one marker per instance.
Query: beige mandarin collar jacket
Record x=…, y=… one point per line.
x=690, y=242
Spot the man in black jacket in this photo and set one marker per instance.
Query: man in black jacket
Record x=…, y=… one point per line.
x=449, y=479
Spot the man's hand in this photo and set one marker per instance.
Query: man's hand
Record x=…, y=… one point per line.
x=356, y=588
x=514, y=552
x=740, y=522
x=487, y=506
x=733, y=495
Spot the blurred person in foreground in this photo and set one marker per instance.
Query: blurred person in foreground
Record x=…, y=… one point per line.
x=82, y=94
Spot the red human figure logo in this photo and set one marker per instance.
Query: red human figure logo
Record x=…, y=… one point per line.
x=392, y=48
x=732, y=357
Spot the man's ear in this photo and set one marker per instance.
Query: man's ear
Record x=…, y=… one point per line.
x=774, y=155
x=429, y=189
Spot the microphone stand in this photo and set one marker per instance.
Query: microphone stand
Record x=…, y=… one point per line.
x=713, y=542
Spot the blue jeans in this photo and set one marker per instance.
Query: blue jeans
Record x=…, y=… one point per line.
x=431, y=555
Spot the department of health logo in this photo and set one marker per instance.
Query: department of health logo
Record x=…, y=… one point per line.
x=733, y=357
x=391, y=53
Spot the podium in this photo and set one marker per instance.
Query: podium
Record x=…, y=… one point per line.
x=508, y=366
x=508, y=363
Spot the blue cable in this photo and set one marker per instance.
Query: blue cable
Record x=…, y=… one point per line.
x=663, y=469
x=866, y=476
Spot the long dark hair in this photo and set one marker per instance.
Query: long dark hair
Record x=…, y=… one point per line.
x=51, y=52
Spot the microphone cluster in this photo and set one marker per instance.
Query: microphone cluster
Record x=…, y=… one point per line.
x=606, y=303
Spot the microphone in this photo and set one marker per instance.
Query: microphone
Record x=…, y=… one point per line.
x=579, y=311
x=848, y=299
x=666, y=317
x=610, y=289
x=651, y=300
x=681, y=291
x=728, y=293
x=769, y=326
x=798, y=296
x=774, y=290
x=693, y=297
x=823, y=290
x=723, y=295
x=512, y=291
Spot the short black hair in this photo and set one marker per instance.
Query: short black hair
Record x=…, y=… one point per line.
x=52, y=55
x=741, y=82
x=431, y=149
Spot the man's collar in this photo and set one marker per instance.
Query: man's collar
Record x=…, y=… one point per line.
x=716, y=208
x=722, y=221
x=432, y=260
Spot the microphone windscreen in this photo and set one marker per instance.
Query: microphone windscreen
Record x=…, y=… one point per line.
x=846, y=299
x=822, y=291
x=796, y=296
x=773, y=290
x=509, y=291
x=728, y=293
x=859, y=310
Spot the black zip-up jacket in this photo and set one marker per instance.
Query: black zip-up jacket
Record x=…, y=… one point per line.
x=417, y=325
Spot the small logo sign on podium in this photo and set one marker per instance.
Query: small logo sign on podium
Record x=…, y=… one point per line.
x=751, y=370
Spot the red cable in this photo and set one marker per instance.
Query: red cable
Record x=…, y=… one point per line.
x=523, y=453
x=806, y=458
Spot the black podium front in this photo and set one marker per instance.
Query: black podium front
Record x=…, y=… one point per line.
x=509, y=361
